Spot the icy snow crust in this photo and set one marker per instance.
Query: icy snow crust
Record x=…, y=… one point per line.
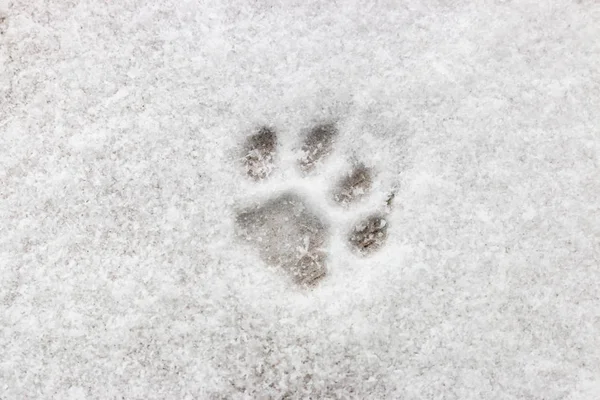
x=121, y=125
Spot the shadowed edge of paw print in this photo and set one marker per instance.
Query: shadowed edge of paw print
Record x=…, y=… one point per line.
x=3, y=19
x=285, y=231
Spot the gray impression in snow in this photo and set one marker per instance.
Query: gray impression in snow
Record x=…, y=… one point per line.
x=286, y=232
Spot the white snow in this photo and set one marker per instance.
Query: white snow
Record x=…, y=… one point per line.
x=120, y=129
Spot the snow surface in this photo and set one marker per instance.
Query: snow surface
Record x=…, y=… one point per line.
x=120, y=125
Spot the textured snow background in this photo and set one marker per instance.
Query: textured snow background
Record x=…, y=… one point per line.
x=119, y=127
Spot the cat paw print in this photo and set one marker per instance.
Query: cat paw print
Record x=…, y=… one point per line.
x=291, y=232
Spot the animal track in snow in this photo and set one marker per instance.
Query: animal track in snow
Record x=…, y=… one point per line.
x=287, y=232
